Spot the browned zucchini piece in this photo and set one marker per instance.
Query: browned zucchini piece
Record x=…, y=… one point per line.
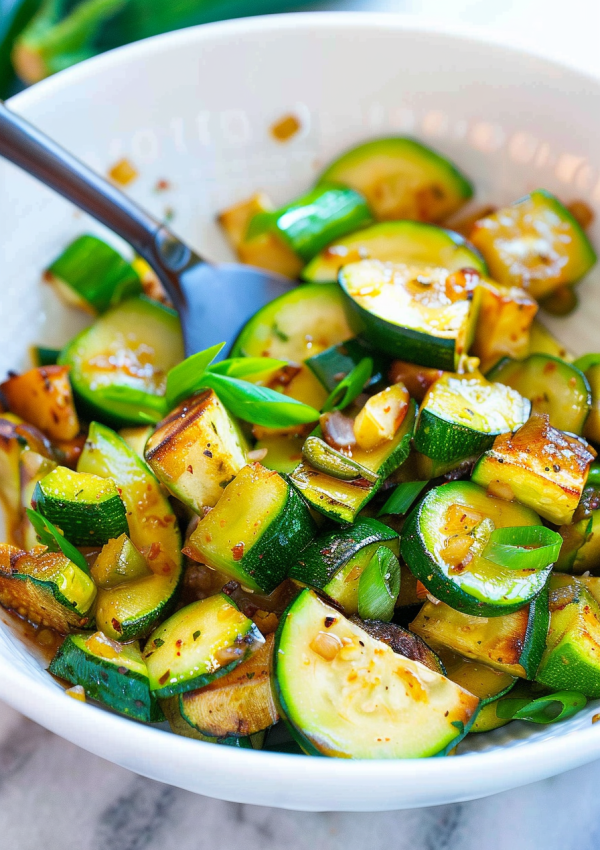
x=44, y=398
x=503, y=324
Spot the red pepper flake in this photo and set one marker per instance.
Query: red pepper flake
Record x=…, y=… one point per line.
x=116, y=625
x=162, y=185
x=154, y=551
x=190, y=469
x=329, y=621
x=238, y=551
x=179, y=642
x=164, y=678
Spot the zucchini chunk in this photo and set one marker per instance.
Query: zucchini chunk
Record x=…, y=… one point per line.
x=401, y=179
x=110, y=672
x=119, y=561
x=196, y=451
x=180, y=726
x=461, y=415
x=297, y=325
x=504, y=324
x=283, y=452
x=333, y=364
x=444, y=539
x=512, y=644
x=45, y=588
x=136, y=438
x=32, y=468
x=403, y=643
x=199, y=643
x=539, y=466
x=235, y=220
x=571, y=660
x=476, y=678
x=341, y=500
x=131, y=610
x=41, y=356
x=119, y=365
x=553, y=387
x=541, y=341
x=237, y=704
x=591, y=428
x=312, y=221
x=535, y=243
x=255, y=529
x=87, y=508
x=91, y=275
x=43, y=397
x=344, y=694
x=423, y=314
x=410, y=242
x=334, y=561
x=11, y=449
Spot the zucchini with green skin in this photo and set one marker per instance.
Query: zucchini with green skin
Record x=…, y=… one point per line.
x=553, y=387
x=461, y=415
x=283, y=452
x=571, y=660
x=44, y=356
x=110, y=672
x=119, y=364
x=87, y=508
x=119, y=561
x=422, y=314
x=401, y=179
x=237, y=704
x=297, y=325
x=410, y=242
x=334, y=561
x=45, y=588
x=476, y=678
x=333, y=364
x=512, y=644
x=11, y=449
x=541, y=341
x=249, y=534
x=444, y=540
x=197, y=450
x=535, y=243
x=136, y=438
x=341, y=500
x=504, y=325
x=539, y=466
x=591, y=429
x=403, y=643
x=91, y=275
x=312, y=221
x=132, y=609
x=199, y=643
x=180, y=726
x=343, y=693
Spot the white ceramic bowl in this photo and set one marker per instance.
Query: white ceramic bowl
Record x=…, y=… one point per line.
x=194, y=107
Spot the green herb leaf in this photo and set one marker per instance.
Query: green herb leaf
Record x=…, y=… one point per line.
x=379, y=586
x=403, y=497
x=50, y=536
x=548, y=709
x=248, y=368
x=186, y=378
x=259, y=405
x=350, y=387
x=529, y=547
x=149, y=407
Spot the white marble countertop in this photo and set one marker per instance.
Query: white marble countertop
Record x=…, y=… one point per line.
x=54, y=796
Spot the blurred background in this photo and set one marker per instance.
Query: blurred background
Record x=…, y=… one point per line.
x=40, y=37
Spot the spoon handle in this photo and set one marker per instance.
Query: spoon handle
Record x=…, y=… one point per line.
x=30, y=149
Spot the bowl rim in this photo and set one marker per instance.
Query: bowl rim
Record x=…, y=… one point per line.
x=78, y=722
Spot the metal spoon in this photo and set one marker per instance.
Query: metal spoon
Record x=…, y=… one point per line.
x=213, y=301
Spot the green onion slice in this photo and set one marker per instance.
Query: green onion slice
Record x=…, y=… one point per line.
x=403, y=497
x=379, y=586
x=54, y=539
x=531, y=547
x=548, y=709
x=186, y=378
x=350, y=387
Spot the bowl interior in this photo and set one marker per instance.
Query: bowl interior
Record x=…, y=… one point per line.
x=195, y=109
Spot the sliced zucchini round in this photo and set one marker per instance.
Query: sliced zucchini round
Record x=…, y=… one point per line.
x=422, y=314
x=461, y=415
x=297, y=325
x=119, y=365
x=344, y=694
x=88, y=509
x=112, y=673
x=131, y=610
x=199, y=643
x=334, y=562
x=401, y=178
x=553, y=387
x=411, y=242
x=535, y=243
x=443, y=540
